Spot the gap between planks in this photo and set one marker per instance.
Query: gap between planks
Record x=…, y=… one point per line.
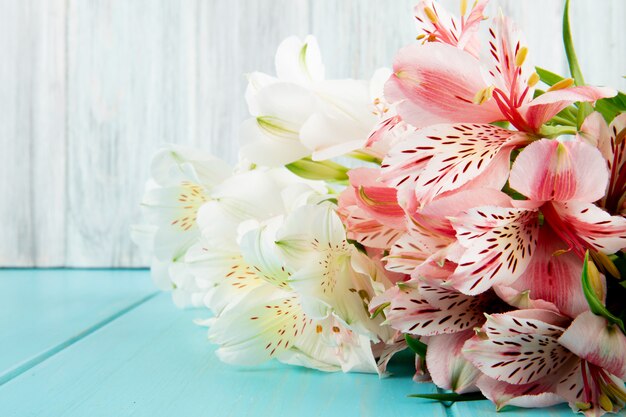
x=31, y=363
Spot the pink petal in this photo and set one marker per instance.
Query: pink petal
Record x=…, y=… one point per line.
x=414, y=249
x=547, y=105
x=435, y=215
x=578, y=389
x=561, y=171
x=436, y=83
x=449, y=29
x=613, y=147
x=595, y=130
x=600, y=230
x=519, y=355
x=378, y=201
x=360, y=226
x=536, y=394
x=499, y=243
x=410, y=312
x=553, y=275
x=504, y=43
x=603, y=345
x=543, y=322
x=453, y=155
x=521, y=299
x=447, y=367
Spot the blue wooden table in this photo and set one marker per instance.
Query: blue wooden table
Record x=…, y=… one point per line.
x=104, y=343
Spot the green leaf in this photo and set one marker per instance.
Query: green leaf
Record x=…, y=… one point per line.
x=611, y=107
x=454, y=397
x=584, y=109
x=572, y=61
x=416, y=346
x=318, y=170
x=548, y=77
x=595, y=304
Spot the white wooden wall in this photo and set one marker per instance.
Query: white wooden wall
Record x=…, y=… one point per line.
x=90, y=88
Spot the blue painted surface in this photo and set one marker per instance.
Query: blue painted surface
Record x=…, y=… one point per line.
x=149, y=359
x=44, y=310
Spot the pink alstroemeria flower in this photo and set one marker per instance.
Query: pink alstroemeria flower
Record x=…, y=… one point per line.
x=566, y=178
x=442, y=315
x=609, y=139
x=435, y=24
x=537, y=358
x=370, y=211
x=440, y=83
x=446, y=157
x=561, y=180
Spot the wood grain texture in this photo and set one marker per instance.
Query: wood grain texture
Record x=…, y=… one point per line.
x=44, y=311
x=32, y=132
x=90, y=88
x=153, y=361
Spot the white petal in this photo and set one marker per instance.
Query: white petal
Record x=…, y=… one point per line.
x=299, y=62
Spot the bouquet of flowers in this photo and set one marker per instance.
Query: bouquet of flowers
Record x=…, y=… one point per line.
x=481, y=222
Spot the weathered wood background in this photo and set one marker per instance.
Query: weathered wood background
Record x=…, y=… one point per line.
x=90, y=88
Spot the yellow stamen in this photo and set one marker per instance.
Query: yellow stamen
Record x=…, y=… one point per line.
x=483, y=95
x=463, y=7
x=422, y=36
x=564, y=83
x=583, y=406
x=431, y=15
x=605, y=402
x=606, y=263
x=520, y=56
x=533, y=79
x=595, y=279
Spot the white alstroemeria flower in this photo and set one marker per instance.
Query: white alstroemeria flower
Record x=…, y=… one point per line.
x=328, y=272
x=272, y=321
x=221, y=275
x=182, y=181
x=299, y=113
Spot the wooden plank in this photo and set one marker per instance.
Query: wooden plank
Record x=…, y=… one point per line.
x=32, y=133
x=89, y=89
x=600, y=41
x=357, y=37
x=44, y=311
x=131, y=89
x=154, y=362
x=235, y=38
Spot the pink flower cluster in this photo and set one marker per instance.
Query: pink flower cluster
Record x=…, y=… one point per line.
x=488, y=212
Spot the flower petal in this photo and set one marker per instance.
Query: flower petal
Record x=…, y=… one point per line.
x=266, y=322
x=553, y=275
x=176, y=164
x=603, y=232
x=449, y=156
x=411, y=311
x=447, y=367
x=603, y=345
x=298, y=61
x=544, y=322
x=499, y=244
x=547, y=105
x=436, y=83
x=536, y=394
x=377, y=200
x=519, y=358
x=561, y=171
